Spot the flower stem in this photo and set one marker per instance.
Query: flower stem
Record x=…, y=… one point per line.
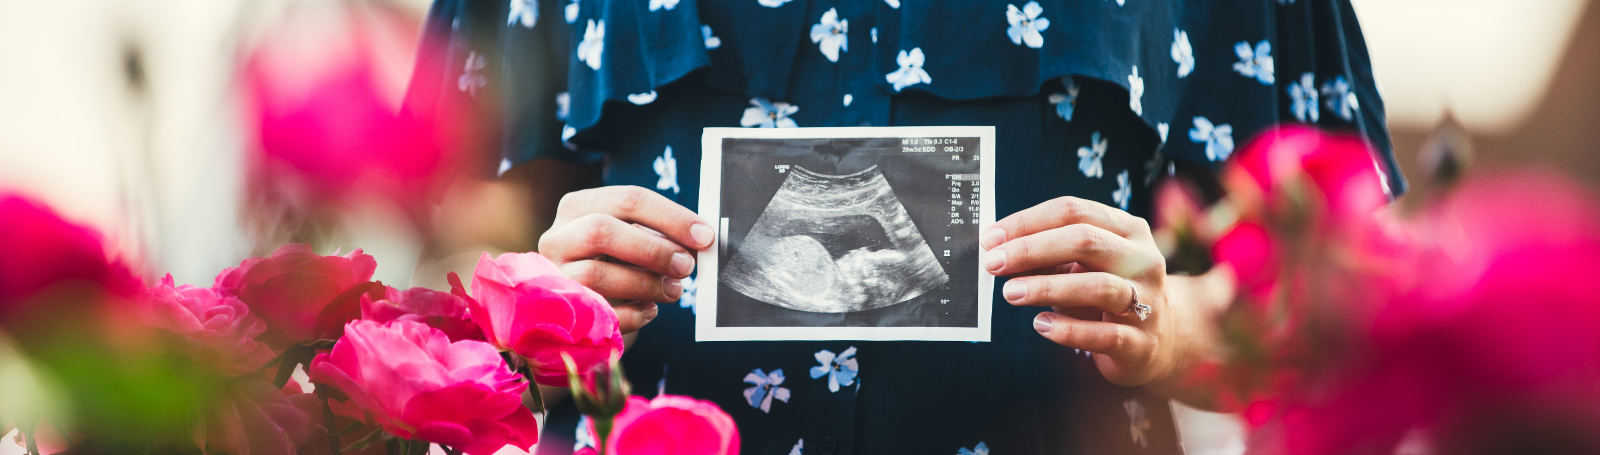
x=602, y=430
x=33, y=444
x=333, y=430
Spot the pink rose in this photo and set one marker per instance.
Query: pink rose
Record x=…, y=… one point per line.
x=525, y=306
x=42, y=253
x=215, y=329
x=671, y=425
x=439, y=310
x=412, y=381
x=301, y=295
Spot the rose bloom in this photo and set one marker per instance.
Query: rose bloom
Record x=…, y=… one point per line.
x=672, y=425
x=412, y=381
x=525, y=306
x=301, y=295
x=43, y=252
x=256, y=419
x=439, y=310
x=1337, y=173
x=215, y=329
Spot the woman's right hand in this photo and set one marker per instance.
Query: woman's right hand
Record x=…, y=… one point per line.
x=596, y=240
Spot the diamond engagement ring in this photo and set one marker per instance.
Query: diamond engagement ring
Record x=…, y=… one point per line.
x=1136, y=308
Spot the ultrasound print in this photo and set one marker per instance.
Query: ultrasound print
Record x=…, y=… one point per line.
x=848, y=232
x=834, y=244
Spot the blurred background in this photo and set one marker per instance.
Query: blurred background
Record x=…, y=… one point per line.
x=126, y=115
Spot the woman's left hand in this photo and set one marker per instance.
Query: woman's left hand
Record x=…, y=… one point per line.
x=1091, y=263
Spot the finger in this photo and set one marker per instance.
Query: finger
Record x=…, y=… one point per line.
x=1091, y=247
x=1104, y=291
x=1063, y=211
x=1109, y=338
x=617, y=281
x=638, y=205
x=1053, y=270
x=632, y=316
x=596, y=235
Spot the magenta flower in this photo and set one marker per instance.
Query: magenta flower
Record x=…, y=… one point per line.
x=413, y=382
x=44, y=252
x=215, y=329
x=526, y=306
x=439, y=310
x=301, y=295
x=671, y=424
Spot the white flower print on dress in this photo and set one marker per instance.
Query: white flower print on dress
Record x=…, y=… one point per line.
x=910, y=72
x=1124, y=191
x=1217, y=138
x=798, y=445
x=1089, y=157
x=848, y=98
x=1161, y=129
x=1254, y=62
x=766, y=388
x=712, y=42
x=1136, y=92
x=767, y=114
x=1336, y=94
x=663, y=4
x=1121, y=2
x=831, y=34
x=524, y=11
x=1026, y=24
x=1137, y=423
x=772, y=3
x=1066, y=102
x=667, y=168
x=893, y=3
x=688, y=299
x=471, y=77
x=1304, y=99
x=840, y=369
x=1182, y=53
x=874, y=33
x=642, y=98
x=593, y=44
x=563, y=106
x=980, y=449
x=572, y=12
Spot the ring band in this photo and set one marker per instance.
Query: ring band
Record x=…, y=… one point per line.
x=1136, y=308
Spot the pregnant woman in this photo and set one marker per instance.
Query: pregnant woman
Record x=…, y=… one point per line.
x=601, y=103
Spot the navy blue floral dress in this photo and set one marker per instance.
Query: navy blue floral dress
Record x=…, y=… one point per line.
x=1097, y=99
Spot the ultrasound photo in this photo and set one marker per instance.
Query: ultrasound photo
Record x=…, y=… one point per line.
x=845, y=233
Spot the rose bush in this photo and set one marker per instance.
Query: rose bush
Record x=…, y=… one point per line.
x=524, y=305
x=413, y=382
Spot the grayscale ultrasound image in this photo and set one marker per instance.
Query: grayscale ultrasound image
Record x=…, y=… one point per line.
x=872, y=232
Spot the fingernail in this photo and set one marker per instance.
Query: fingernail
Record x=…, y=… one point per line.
x=995, y=260
x=993, y=238
x=1015, y=290
x=702, y=235
x=682, y=263
x=673, y=287
x=1042, y=323
x=651, y=311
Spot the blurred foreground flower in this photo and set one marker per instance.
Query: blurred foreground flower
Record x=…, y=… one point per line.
x=672, y=424
x=440, y=310
x=44, y=258
x=526, y=306
x=413, y=382
x=1470, y=327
